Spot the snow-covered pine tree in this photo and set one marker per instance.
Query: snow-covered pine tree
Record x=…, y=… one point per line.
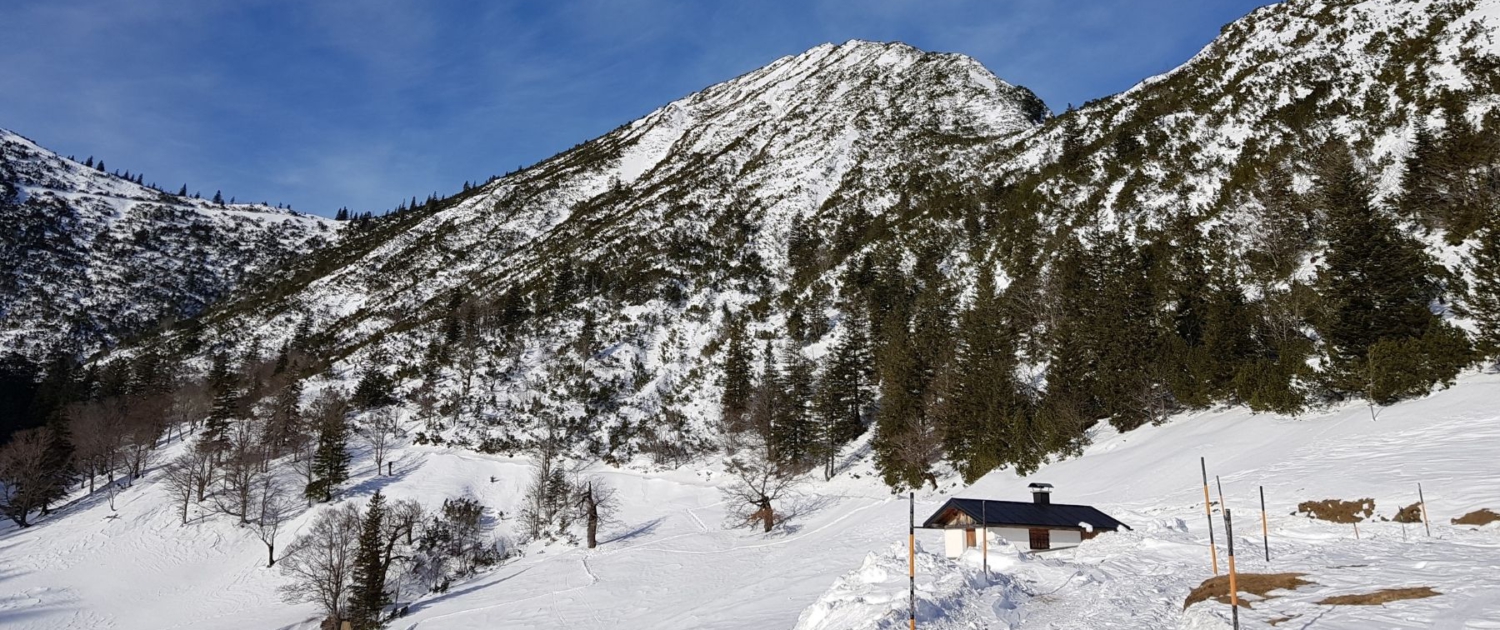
x=1484, y=298
x=331, y=458
x=367, y=593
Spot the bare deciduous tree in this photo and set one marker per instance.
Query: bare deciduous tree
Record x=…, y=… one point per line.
x=273, y=507
x=143, y=429
x=379, y=431
x=182, y=480
x=320, y=563
x=98, y=431
x=240, y=470
x=758, y=486
x=399, y=529
x=203, y=467
x=191, y=401
x=23, y=472
x=596, y=504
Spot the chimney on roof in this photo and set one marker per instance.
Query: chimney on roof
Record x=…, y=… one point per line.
x=1041, y=493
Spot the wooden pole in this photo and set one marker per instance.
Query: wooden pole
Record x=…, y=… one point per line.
x=1213, y=549
x=1220, y=484
x=1423, y=500
x=1234, y=593
x=984, y=533
x=1356, y=530
x=1265, y=529
x=911, y=559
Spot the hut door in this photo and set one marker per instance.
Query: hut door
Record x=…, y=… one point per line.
x=969, y=539
x=1041, y=538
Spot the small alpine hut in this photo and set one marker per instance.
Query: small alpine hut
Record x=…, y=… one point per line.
x=1042, y=523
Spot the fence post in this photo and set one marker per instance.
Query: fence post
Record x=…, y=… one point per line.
x=911, y=558
x=1423, y=500
x=1265, y=529
x=1213, y=548
x=1234, y=593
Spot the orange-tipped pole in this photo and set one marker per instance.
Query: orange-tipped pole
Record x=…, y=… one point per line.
x=1265, y=529
x=1234, y=591
x=1213, y=549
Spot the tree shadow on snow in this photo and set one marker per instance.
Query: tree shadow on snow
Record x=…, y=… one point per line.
x=399, y=470
x=478, y=586
x=798, y=506
x=642, y=530
x=82, y=503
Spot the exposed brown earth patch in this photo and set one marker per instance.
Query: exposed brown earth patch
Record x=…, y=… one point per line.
x=1259, y=584
x=1478, y=517
x=1410, y=514
x=1381, y=596
x=1338, y=511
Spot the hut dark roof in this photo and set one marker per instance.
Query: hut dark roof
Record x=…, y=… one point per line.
x=1024, y=514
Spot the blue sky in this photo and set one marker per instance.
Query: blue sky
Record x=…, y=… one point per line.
x=323, y=104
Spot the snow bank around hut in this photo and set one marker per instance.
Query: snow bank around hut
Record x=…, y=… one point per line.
x=950, y=593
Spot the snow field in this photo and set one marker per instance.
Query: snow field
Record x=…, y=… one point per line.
x=671, y=562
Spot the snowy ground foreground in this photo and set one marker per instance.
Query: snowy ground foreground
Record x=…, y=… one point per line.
x=670, y=563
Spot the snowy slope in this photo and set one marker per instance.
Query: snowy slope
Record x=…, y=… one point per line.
x=671, y=563
x=1268, y=92
x=1150, y=479
x=608, y=269
x=87, y=258
x=653, y=230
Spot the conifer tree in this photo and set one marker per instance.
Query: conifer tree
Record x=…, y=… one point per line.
x=286, y=414
x=916, y=346
x=1376, y=287
x=226, y=405
x=985, y=424
x=738, y=387
x=374, y=389
x=330, y=459
x=842, y=392
x=1131, y=381
x=367, y=594
x=1484, y=300
x=1209, y=335
x=794, y=430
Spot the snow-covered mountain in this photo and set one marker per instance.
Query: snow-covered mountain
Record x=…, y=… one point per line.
x=88, y=258
x=599, y=280
x=647, y=234
x=1268, y=92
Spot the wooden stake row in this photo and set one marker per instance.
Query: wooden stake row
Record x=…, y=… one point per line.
x=1265, y=527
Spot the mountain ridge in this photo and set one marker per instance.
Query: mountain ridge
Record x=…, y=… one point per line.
x=91, y=258
x=664, y=227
